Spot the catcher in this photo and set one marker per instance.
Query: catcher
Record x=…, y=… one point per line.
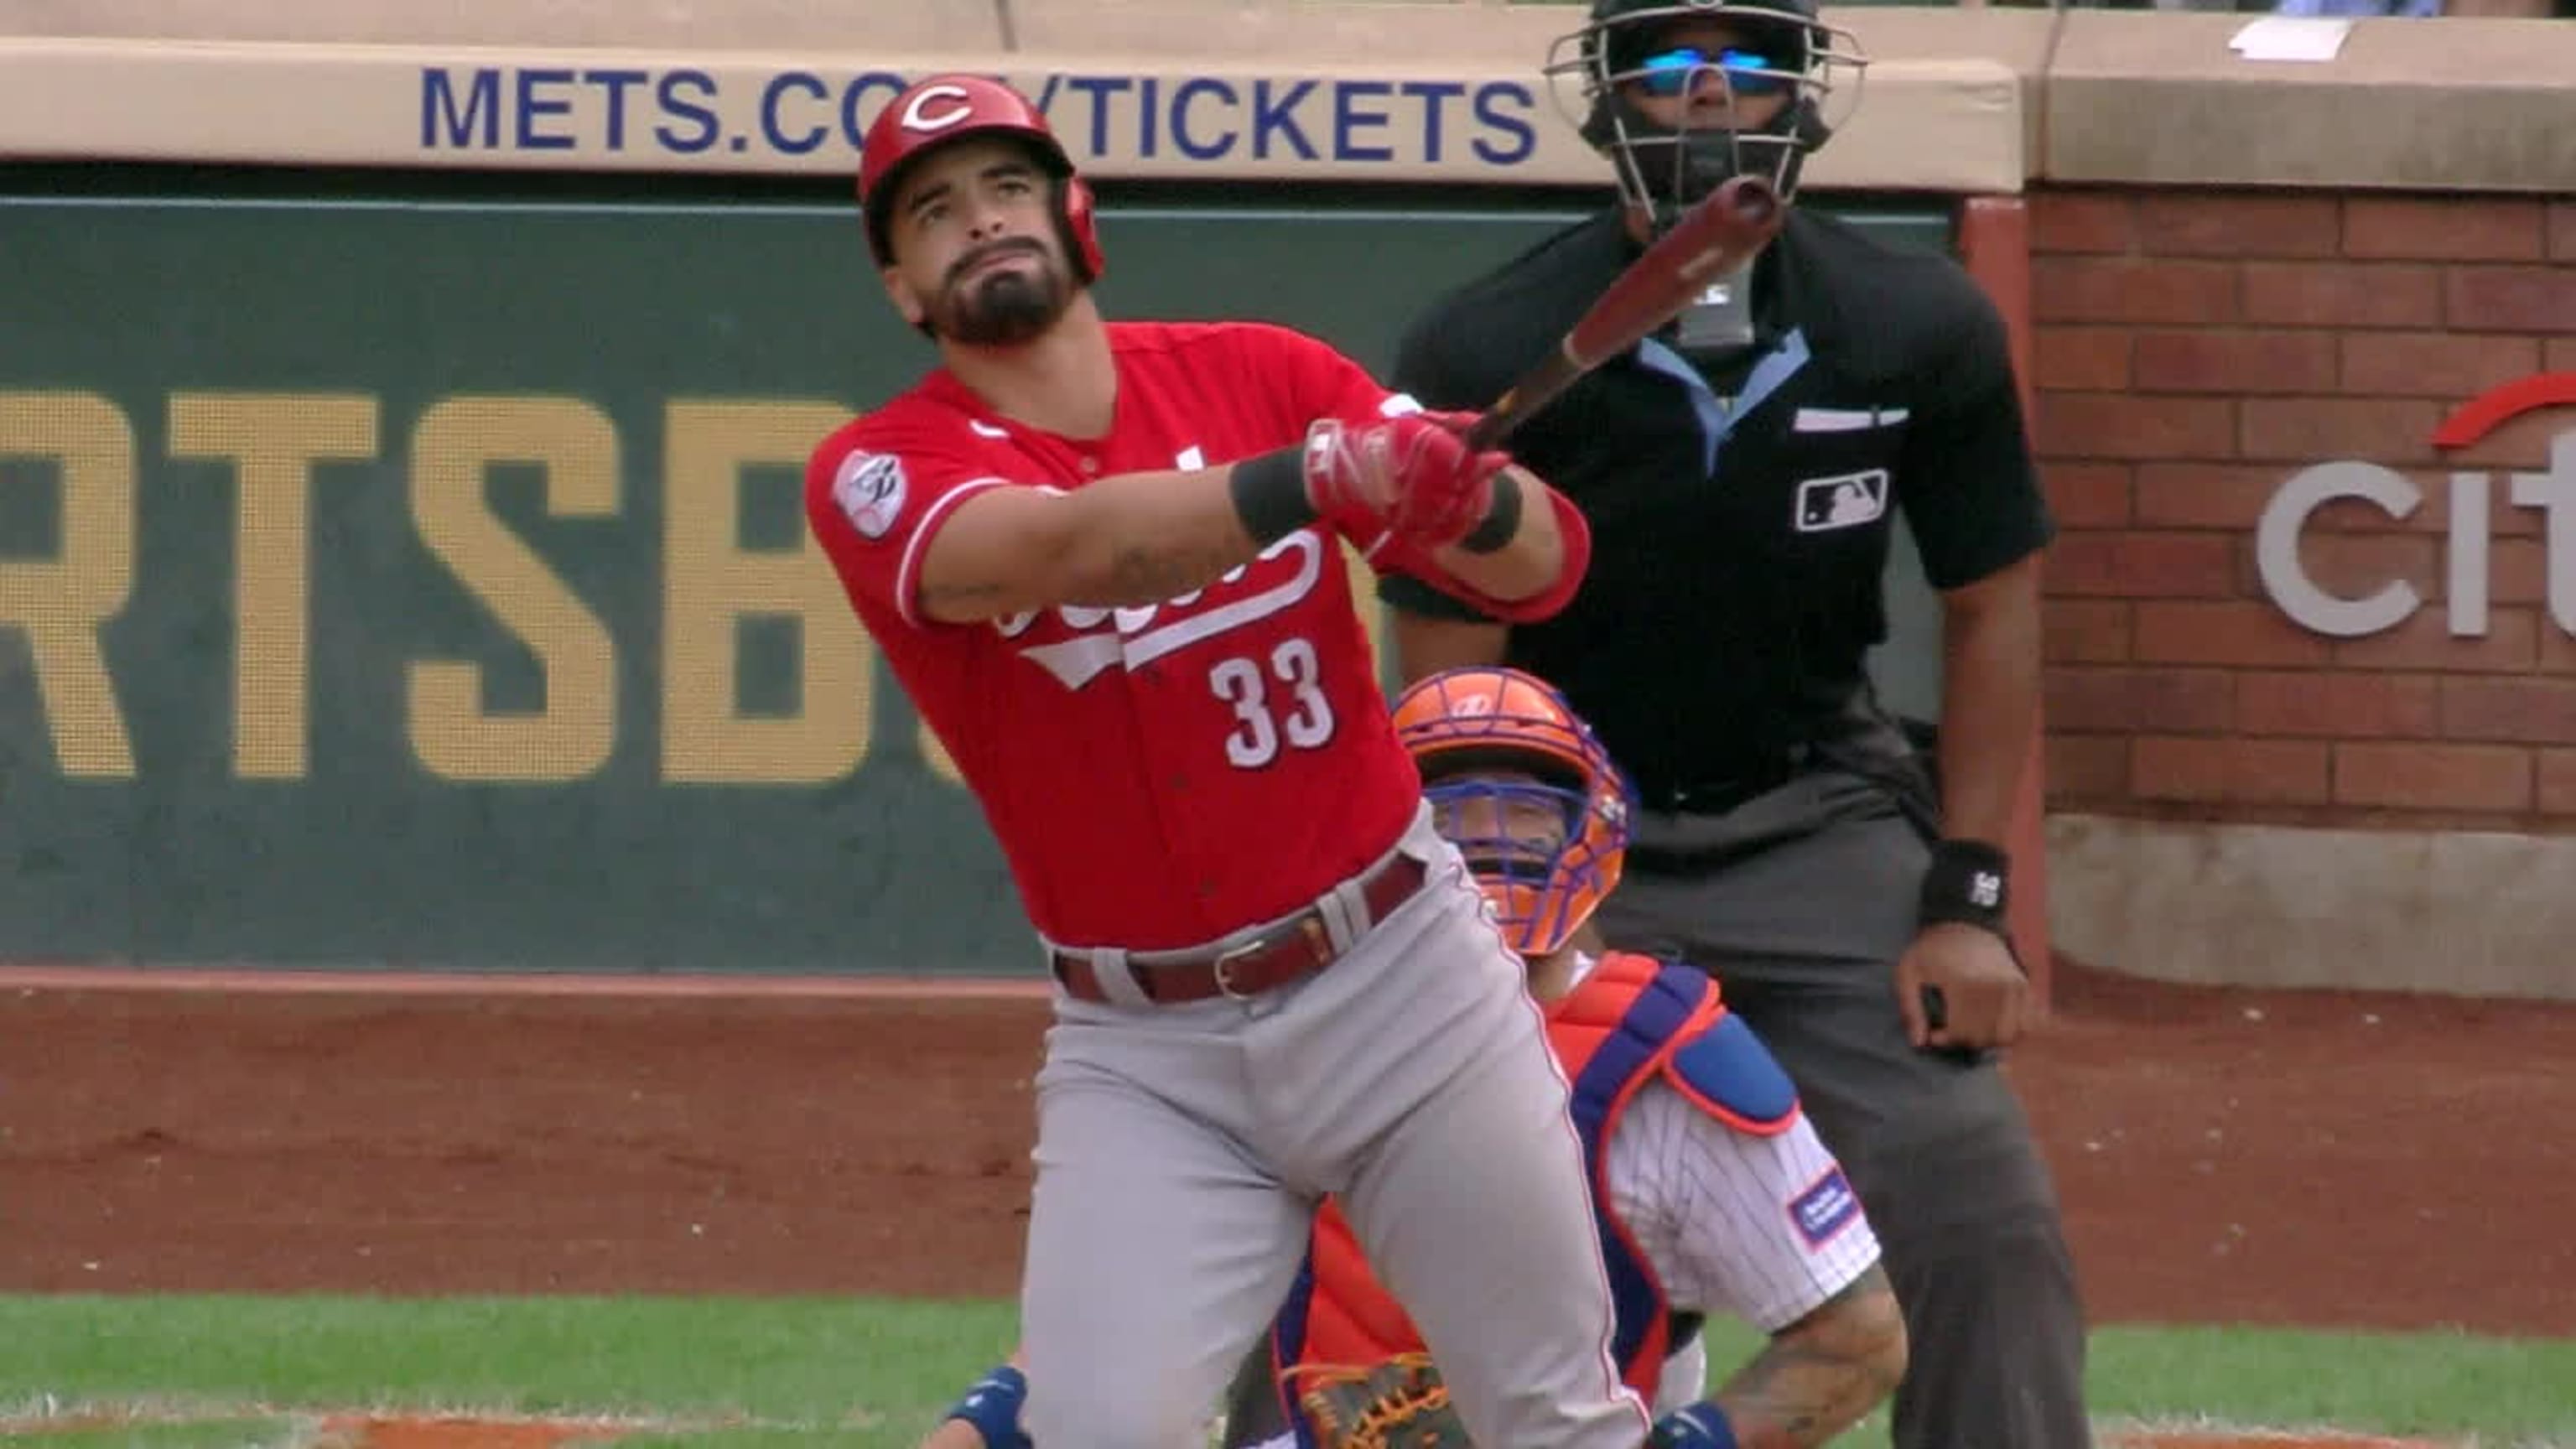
x=1711, y=1190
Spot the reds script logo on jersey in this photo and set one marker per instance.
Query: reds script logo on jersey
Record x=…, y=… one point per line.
x=1094, y=639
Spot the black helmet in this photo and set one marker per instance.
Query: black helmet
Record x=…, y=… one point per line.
x=1779, y=45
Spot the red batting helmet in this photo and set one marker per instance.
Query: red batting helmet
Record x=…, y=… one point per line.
x=943, y=108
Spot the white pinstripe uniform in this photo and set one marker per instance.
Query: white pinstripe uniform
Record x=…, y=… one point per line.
x=1732, y=1224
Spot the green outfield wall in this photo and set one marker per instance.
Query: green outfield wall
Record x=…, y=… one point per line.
x=408, y=571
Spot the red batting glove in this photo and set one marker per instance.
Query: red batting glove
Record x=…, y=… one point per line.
x=1411, y=476
x=1456, y=422
x=1346, y=485
x=1443, y=489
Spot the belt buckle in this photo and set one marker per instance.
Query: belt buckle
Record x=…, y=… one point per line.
x=1222, y=969
x=1310, y=927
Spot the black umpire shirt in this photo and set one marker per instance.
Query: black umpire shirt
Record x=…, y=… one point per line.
x=1741, y=518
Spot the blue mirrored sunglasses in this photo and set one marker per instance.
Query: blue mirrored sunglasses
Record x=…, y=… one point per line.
x=1749, y=72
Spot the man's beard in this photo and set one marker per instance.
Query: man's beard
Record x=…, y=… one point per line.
x=1007, y=306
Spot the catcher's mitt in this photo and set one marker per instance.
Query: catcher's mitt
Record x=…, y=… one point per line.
x=1399, y=1403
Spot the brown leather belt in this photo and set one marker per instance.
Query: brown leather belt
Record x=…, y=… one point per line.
x=1299, y=946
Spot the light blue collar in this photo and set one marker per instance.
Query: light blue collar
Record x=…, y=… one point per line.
x=1716, y=418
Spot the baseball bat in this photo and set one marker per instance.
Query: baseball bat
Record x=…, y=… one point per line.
x=1719, y=234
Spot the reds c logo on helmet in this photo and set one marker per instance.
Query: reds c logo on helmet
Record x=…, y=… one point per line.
x=943, y=108
x=1525, y=791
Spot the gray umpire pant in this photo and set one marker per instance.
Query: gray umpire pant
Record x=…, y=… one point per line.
x=1800, y=902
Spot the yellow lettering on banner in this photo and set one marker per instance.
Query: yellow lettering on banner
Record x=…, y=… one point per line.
x=272, y=440
x=573, y=733
x=710, y=582
x=61, y=602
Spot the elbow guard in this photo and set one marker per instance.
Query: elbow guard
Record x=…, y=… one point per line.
x=1575, y=537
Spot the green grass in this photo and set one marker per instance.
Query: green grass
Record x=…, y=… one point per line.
x=890, y=1367
x=776, y=1373
x=226, y=1433
x=2505, y=1391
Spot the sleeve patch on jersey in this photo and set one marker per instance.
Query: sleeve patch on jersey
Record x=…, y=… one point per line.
x=1730, y=1072
x=870, y=488
x=1825, y=1209
x=1398, y=404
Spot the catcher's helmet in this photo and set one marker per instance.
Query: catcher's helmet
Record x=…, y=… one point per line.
x=1627, y=44
x=1546, y=853
x=943, y=108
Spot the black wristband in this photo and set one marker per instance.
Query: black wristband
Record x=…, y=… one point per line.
x=1968, y=883
x=1502, y=522
x=1270, y=494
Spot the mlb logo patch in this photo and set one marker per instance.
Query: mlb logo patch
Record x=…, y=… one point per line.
x=1825, y=1209
x=870, y=489
x=1846, y=500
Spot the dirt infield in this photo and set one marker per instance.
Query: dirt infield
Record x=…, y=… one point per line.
x=2259, y=1157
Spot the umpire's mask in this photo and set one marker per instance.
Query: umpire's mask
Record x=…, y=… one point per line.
x=1675, y=93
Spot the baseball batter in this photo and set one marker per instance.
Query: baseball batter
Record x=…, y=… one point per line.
x=1103, y=560
x=1712, y=1192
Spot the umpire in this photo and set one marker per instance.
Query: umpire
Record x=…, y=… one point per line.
x=1741, y=473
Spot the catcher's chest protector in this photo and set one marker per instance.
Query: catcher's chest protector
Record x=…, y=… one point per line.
x=1631, y=1020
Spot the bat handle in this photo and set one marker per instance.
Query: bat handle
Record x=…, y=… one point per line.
x=1491, y=427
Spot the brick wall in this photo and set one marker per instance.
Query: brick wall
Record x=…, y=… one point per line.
x=2193, y=349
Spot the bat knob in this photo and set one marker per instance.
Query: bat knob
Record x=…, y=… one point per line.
x=1750, y=199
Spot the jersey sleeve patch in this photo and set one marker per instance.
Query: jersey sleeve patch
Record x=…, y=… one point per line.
x=1825, y=1209
x=870, y=490
x=1730, y=1074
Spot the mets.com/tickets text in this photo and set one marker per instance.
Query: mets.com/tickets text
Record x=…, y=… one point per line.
x=796, y=113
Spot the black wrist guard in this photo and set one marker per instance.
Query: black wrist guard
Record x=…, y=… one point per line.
x=1270, y=494
x=1967, y=883
x=1501, y=523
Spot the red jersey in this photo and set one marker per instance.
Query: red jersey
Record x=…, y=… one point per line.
x=1156, y=776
